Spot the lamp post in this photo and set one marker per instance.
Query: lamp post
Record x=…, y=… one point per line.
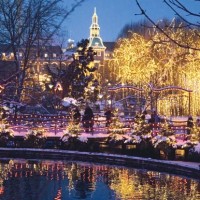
x=58, y=89
x=100, y=97
x=106, y=92
x=110, y=103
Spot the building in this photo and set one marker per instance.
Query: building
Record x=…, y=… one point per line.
x=103, y=49
x=54, y=56
x=95, y=40
x=38, y=59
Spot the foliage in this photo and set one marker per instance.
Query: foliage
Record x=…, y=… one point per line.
x=165, y=129
x=50, y=101
x=116, y=129
x=188, y=17
x=164, y=138
x=156, y=60
x=195, y=133
x=72, y=139
x=163, y=142
x=139, y=27
x=141, y=128
x=187, y=144
x=23, y=30
x=73, y=129
x=35, y=138
x=194, y=153
x=6, y=135
x=79, y=74
x=140, y=133
x=164, y=145
x=191, y=141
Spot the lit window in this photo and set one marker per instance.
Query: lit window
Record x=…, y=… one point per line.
x=54, y=55
x=45, y=55
x=3, y=55
x=20, y=54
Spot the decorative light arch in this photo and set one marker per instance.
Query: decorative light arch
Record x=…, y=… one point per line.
x=174, y=96
x=156, y=91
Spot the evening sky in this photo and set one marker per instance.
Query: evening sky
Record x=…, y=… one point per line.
x=114, y=15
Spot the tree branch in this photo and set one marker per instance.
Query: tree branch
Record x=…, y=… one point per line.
x=163, y=31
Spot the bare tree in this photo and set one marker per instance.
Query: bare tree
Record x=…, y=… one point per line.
x=142, y=28
x=27, y=25
x=182, y=11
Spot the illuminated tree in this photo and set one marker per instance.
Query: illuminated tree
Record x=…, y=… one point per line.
x=157, y=62
x=128, y=60
x=79, y=74
x=184, y=12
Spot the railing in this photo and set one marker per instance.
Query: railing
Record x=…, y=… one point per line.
x=35, y=119
x=57, y=123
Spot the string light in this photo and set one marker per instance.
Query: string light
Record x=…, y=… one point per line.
x=139, y=61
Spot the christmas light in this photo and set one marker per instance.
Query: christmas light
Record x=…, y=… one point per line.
x=158, y=62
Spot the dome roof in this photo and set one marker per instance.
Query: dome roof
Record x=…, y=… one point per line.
x=96, y=42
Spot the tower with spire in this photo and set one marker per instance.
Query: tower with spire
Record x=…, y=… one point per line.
x=95, y=40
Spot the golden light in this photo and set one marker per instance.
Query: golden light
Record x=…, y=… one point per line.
x=155, y=59
x=50, y=86
x=100, y=96
x=1, y=88
x=58, y=87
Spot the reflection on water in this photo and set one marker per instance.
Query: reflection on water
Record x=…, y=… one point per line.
x=59, y=180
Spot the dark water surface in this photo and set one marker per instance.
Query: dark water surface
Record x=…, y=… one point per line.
x=62, y=180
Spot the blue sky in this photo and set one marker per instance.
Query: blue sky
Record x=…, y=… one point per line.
x=113, y=15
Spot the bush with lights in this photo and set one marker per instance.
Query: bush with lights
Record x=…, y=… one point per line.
x=194, y=144
x=116, y=130
x=35, y=138
x=165, y=139
x=72, y=138
x=150, y=139
x=6, y=136
x=140, y=135
x=141, y=130
x=190, y=141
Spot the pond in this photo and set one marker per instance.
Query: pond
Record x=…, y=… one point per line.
x=64, y=180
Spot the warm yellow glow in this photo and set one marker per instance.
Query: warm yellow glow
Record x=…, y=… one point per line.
x=157, y=60
x=123, y=185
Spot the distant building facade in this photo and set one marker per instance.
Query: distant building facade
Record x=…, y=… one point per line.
x=55, y=56
x=38, y=59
